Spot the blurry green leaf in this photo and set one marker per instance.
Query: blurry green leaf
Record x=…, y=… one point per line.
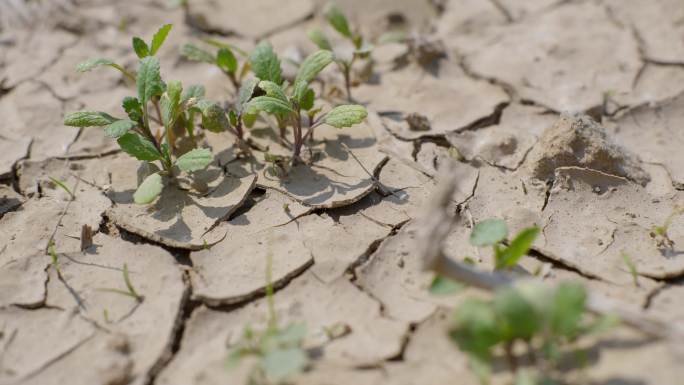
x=308, y=70
x=140, y=47
x=517, y=249
x=225, y=60
x=269, y=104
x=213, y=116
x=365, y=49
x=338, y=20
x=195, y=53
x=170, y=102
x=280, y=364
x=159, y=37
x=265, y=63
x=475, y=327
x=149, y=80
x=132, y=107
x=392, y=37
x=248, y=119
x=149, y=189
x=517, y=318
x=444, y=286
x=138, y=147
x=273, y=90
x=318, y=37
x=346, y=115
x=292, y=335
x=488, y=232
x=568, y=309
x=194, y=91
x=245, y=93
x=119, y=128
x=194, y=160
x=307, y=101
x=234, y=358
x=602, y=324
x=88, y=119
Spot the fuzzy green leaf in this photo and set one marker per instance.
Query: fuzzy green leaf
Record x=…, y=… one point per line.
x=88, y=119
x=149, y=189
x=338, y=20
x=194, y=160
x=309, y=69
x=213, y=116
x=517, y=249
x=195, y=53
x=279, y=364
x=475, y=328
x=568, y=309
x=133, y=108
x=269, y=104
x=444, y=286
x=138, y=147
x=196, y=91
x=265, y=63
x=488, y=232
x=97, y=62
x=225, y=60
x=159, y=37
x=273, y=90
x=318, y=37
x=245, y=93
x=346, y=115
x=517, y=317
x=149, y=80
x=307, y=101
x=170, y=102
x=140, y=47
x=119, y=128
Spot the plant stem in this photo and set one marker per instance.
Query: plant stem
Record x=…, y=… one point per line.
x=347, y=81
x=510, y=357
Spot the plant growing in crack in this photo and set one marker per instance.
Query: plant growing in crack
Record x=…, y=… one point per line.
x=361, y=47
x=130, y=290
x=279, y=350
x=659, y=233
x=492, y=232
x=545, y=321
x=225, y=59
x=175, y=114
x=288, y=108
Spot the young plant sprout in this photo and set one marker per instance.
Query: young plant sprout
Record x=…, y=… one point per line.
x=544, y=320
x=659, y=233
x=175, y=109
x=279, y=350
x=492, y=232
x=225, y=59
x=288, y=108
x=361, y=47
x=130, y=290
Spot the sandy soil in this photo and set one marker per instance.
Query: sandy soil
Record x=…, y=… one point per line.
x=567, y=115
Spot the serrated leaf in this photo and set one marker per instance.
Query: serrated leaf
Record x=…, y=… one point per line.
x=265, y=63
x=346, y=115
x=133, y=108
x=225, y=60
x=338, y=20
x=149, y=189
x=138, y=147
x=196, y=91
x=488, y=232
x=195, y=53
x=308, y=70
x=97, y=62
x=169, y=102
x=269, y=104
x=273, y=90
x=88, y=119
x=159, y=38
x=140, y=47
x=517, y=249
x=279, y=364
x=149, y=80
x=318, y=37
x=119, y=128
x=307, y=101
x=245, y=93
x=194, y=160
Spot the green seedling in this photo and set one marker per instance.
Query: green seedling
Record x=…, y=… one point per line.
x=492, y=232
x=279, y=350
x=130, y=290
x=62, y=186
x=659, y=233
x=632, y=268
x=288, y=108
x=53, y=256
x=545, y=320
x=225, y=59
x=361, y=47
x=175, y=114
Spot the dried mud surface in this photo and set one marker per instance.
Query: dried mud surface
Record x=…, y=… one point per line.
x=566, y=115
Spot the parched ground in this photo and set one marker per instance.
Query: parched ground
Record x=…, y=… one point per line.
x=567, y=115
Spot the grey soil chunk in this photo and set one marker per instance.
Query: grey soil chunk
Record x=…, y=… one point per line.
x=520, y=9
x=656, y=83
x=334, y=179
x=658, y=25
x=553, y=60
x=449, y=101
x=26, y=231
x=247, y=18
x=9, y=199
x=210, y=335
x=87, y=278
x=654, y=132
x=36, y=338
x=507, y=143
x=181, y=218
x=593, y=219
x=22, y=281
x=667, y=302
x=580, y=141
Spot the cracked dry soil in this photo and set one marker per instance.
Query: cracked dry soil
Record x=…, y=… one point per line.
x=564, y=114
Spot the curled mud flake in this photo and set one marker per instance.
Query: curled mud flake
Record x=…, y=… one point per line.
x=580, y=141
x=37, y=338
x=414, y=89
x=10, y=200
x=507, y=143
x=591, y=232
x=652, y=131
x=179, y=218
x=93, y=283
x=564, y=69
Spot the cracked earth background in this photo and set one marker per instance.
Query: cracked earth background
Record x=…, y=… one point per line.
x=342, y=251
